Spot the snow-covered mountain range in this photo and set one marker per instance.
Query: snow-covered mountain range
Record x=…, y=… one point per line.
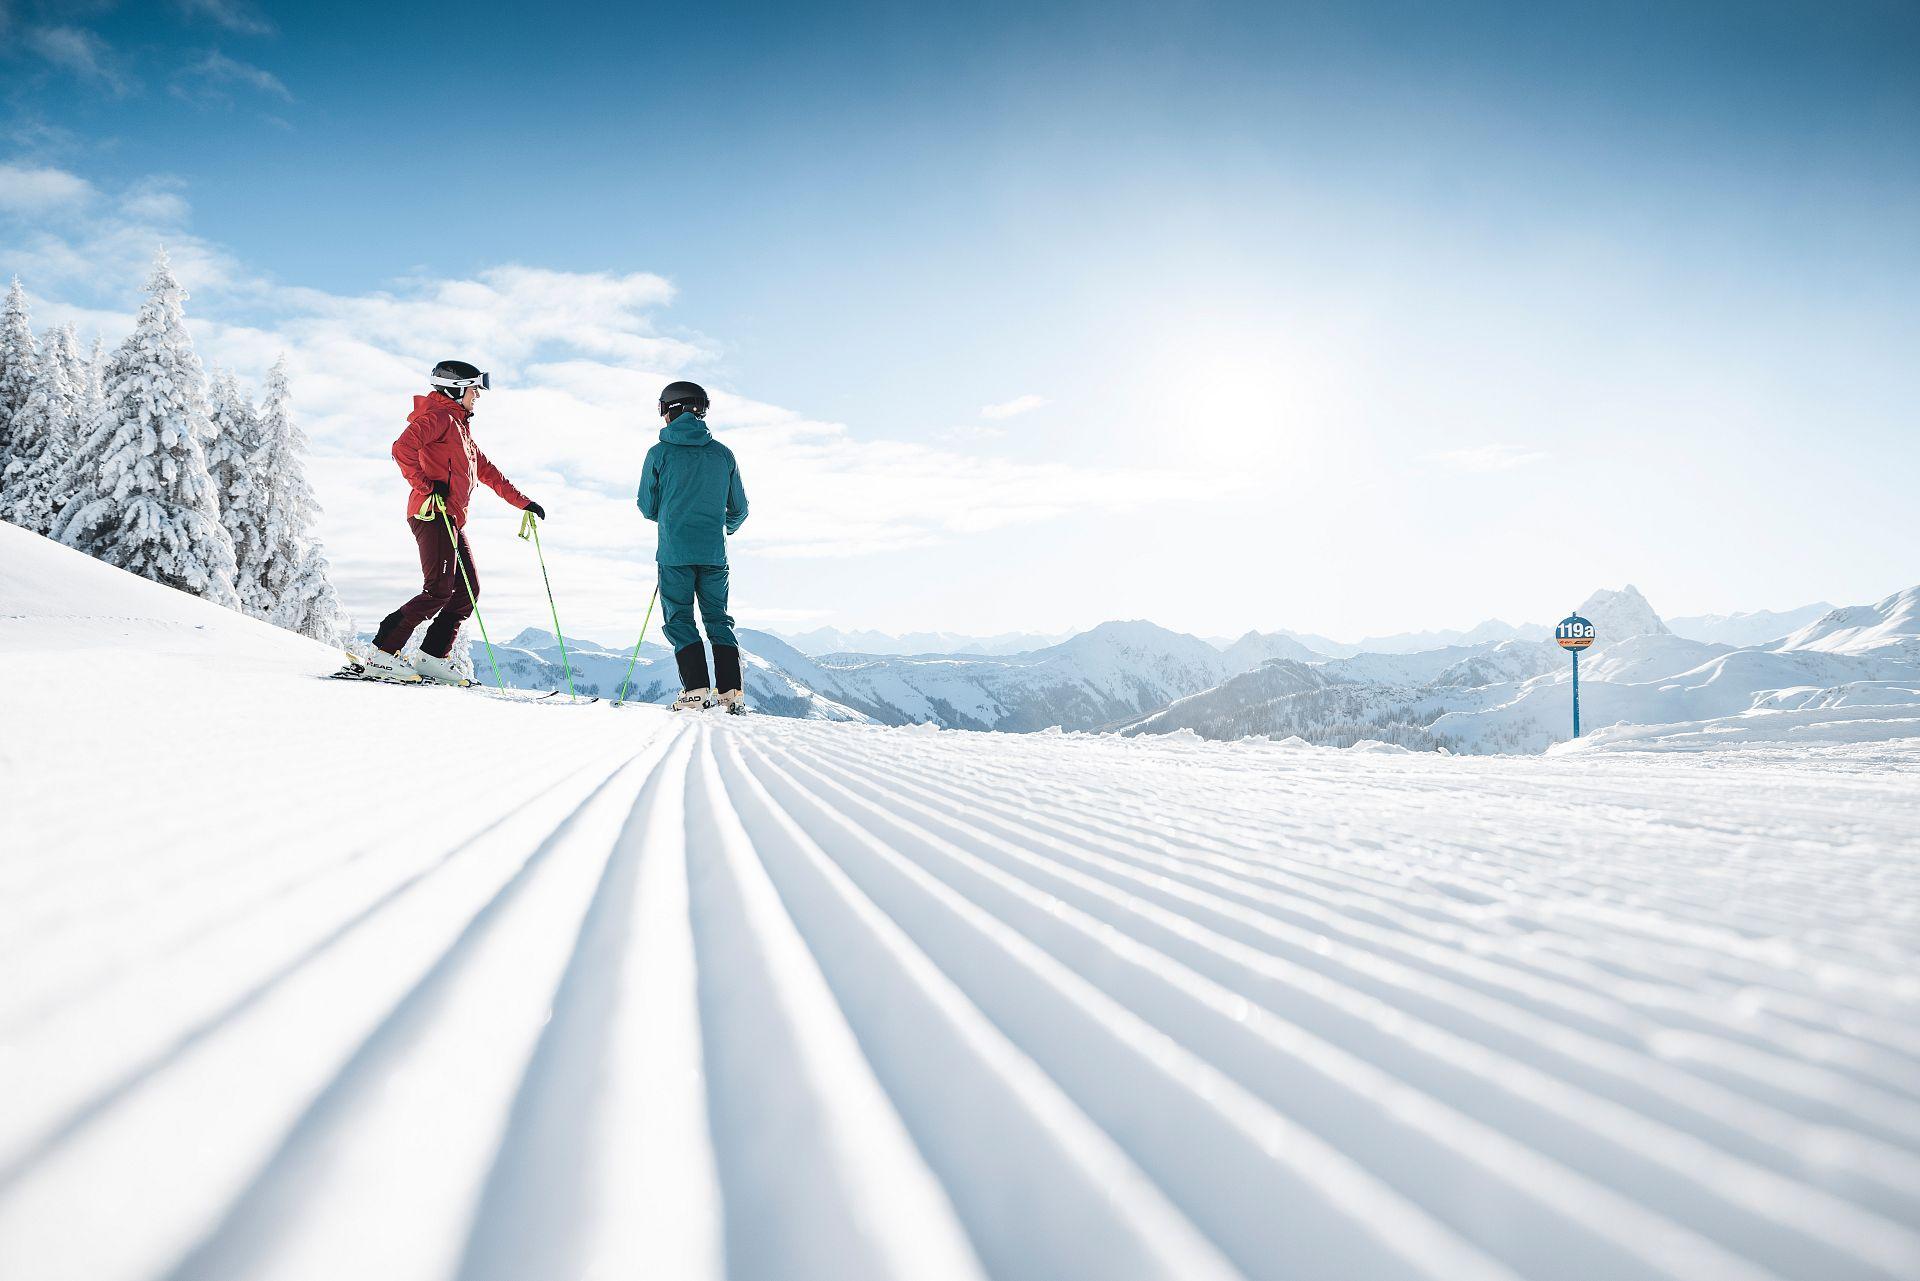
x=1116, y=671
x=1850, y=674
x=1496, y=695
x=832, y=640
x=1754, y=628
x=532, y=660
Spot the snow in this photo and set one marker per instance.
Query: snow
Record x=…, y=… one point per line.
x=1819, y=719
x=320, y=980
x=1888, y=629
x=1255, y=648
x=1757, y=627
x=1112, y=672
x=1617, y=615
x=832, y=640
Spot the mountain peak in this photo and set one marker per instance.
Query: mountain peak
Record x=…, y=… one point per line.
x=1618, y=615
x=1889, y=628
x=1132, y=631
x=540, y=638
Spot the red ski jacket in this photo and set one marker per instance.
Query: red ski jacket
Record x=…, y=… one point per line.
x=436, y=446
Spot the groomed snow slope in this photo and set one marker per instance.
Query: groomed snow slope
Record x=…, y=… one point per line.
x=318, y=981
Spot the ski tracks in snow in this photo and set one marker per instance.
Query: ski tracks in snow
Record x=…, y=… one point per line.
x=775, y=999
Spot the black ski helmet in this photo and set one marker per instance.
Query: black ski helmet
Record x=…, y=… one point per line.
x=454, y=377
x=691, y=397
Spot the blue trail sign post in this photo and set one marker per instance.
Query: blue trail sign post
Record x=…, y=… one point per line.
x=1574, y=634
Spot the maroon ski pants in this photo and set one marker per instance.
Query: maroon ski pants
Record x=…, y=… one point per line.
x=443, y=597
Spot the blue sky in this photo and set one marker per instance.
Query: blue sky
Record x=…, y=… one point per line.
x=1343, y=317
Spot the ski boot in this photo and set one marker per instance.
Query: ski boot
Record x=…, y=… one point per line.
x=382, y=666
x=438, y=670
x=693, y=700
x=734, y=701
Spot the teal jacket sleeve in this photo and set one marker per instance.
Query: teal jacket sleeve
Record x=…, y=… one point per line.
x=736, y=502
x=650, y=485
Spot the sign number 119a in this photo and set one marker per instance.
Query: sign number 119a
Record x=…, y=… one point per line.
x=1574, y=634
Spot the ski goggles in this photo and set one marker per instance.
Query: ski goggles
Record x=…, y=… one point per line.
x=482, y=381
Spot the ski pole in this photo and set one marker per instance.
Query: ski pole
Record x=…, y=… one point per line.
x=644, y=624
x=453, y=539
x=530, y=522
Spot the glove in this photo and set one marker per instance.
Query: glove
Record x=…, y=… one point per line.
x=442, y=488
x=536, y=509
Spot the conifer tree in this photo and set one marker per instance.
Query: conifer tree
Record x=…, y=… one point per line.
x=148, y=505
x=77, y=474
x=94, y=393
x=19, y=366
x=232, y=460
x=292, y=573
x=65, y=348
x=44, y=434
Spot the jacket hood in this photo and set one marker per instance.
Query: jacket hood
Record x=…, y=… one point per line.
x=685, y=430
x=434, y=403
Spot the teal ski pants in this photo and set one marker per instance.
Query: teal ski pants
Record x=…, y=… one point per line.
x=680, y=586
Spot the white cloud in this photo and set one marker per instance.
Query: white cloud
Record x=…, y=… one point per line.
x=1492, y=458
x=156, y=200
x=206, y=80
x=578, y=359
x=27, y=189
x=234, y=15
x=1009, y=408
x=109, y=253
x=972, y=433
x=84, y=54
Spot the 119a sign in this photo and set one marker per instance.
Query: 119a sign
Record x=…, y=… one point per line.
x=1574, y=632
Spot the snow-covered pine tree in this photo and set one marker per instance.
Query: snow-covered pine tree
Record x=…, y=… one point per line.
x=43, y=439
x=78, y=477
x=232, y=460
x=91, y=383
x=292, y=575
x=308, y=603
x=19, y=365
x=149, y=506
x=64, y=346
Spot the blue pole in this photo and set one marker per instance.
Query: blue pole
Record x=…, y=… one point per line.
x=1576, y=693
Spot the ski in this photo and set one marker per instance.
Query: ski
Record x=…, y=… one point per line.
x=553, y=696
x=355, y=669
x=348, y=674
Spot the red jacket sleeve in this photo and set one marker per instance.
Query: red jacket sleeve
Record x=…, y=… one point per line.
x=421, y=451
x=496, y=482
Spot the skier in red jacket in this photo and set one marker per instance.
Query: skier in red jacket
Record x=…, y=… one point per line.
x=437, y=455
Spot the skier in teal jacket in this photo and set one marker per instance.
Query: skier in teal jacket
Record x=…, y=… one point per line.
x=691, y=487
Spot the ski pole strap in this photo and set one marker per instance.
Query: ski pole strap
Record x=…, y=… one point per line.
x=432, y=503
x=526, y=527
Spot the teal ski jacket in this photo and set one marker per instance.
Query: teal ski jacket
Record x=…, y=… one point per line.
x=691, y=487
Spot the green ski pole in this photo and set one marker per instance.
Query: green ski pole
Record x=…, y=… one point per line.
x=644, y=624
x=453, y=539
x=530, y=522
